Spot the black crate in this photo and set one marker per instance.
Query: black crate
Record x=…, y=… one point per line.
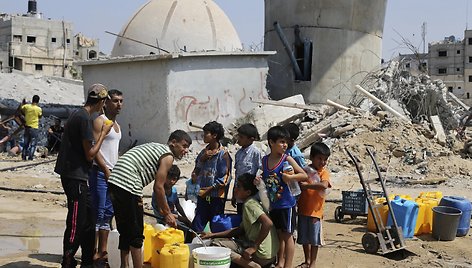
x=354, y=202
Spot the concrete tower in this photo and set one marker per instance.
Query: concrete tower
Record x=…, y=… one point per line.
x=324, y=47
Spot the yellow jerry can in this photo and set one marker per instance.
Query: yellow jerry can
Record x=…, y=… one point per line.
x=174, y=256
x=160, y=239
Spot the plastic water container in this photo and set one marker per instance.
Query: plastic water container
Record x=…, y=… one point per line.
x=174, y=256
x=293, y=186
x=445, y=222
x=406, y=213
x=160, y=239
x=431, y=195
x=224, y=222
x=424, y=222
x=262, y=193
x=147, y=245
x=383, y=211
x=114, y=255
x=211, y=257
x=463, y=204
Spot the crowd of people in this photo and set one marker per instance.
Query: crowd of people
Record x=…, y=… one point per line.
x=101, y=184
x=26, y=120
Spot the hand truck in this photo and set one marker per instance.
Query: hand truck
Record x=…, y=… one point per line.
x=387, y=238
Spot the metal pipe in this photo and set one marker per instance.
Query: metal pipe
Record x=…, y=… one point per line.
x=293, y=60
x=195, y=125
x=381, y=103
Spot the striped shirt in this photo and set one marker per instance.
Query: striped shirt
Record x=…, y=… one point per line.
x=138, y=167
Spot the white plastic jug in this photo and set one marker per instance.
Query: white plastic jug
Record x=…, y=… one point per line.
x=114, y=254
x=114, y=259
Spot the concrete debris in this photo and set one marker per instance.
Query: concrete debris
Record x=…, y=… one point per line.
x=410, y=122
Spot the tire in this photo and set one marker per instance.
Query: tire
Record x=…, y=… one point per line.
x=370, y=242
x=338, y=214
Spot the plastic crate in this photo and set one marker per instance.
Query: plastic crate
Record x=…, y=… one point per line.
x=354, y=202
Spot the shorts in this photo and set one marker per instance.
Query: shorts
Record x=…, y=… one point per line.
x=129, y=215
x=284, y=219
x=237, y=248
x=312, y=231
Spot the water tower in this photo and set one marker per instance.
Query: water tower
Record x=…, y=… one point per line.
x=324, y=47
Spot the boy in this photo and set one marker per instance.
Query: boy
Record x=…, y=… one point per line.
x=248, y=157
x=172, y=198
x=282, y=202
x=311, y=203
x=192, y=188
x=258, y=244
x=293, y=149
x=212, y=171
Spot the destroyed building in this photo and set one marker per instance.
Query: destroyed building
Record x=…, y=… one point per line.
x=33, y=44
x=451, y=61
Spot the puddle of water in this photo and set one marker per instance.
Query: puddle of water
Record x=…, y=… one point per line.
x=44, y=245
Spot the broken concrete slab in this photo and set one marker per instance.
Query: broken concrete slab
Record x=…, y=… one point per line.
x=438, y=128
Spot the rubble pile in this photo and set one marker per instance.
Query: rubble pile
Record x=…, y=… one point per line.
x=417, y=95
x=418, y=145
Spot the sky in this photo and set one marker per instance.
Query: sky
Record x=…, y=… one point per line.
x=404, y=19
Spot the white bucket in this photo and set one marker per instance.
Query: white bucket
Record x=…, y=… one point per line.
x=211, y=257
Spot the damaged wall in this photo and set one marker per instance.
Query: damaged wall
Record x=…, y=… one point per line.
x=346, y=41
x=164, y=93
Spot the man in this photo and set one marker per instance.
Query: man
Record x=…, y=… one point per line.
x=134, y=170
x=55, y=136
x=32, y=113
x=73, y=163
x=101, y=170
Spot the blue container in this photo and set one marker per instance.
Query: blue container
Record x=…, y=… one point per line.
x=224, y=222
x=406, y=213
x=464, y=205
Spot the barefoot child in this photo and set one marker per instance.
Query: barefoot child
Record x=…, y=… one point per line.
x=282, y=202
x=311, y=203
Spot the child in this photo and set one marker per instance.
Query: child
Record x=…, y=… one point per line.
x=258, y=243
x=212, y=171
x=282, y=202
x=191, y=189
x=311, y=203
x=248, y=157
x=293, y=149
x=172, y=199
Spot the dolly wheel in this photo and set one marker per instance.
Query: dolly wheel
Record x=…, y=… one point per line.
x=338, y=214
x=370, y=242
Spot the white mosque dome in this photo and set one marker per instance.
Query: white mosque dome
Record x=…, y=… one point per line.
x=176, y=26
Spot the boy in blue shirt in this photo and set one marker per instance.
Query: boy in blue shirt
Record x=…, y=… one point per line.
x=212, y=171
x=172, y=198
x=248, y=157
x=293, y=149
x=282, y=202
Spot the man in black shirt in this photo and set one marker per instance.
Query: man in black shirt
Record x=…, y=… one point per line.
x=73, y=163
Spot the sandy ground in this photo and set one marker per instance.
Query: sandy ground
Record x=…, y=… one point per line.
x=32, y=224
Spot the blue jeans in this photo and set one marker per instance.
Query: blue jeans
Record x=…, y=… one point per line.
x=100, y=199
x=30, y=141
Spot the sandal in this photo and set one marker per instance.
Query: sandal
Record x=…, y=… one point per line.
x=303, y=265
